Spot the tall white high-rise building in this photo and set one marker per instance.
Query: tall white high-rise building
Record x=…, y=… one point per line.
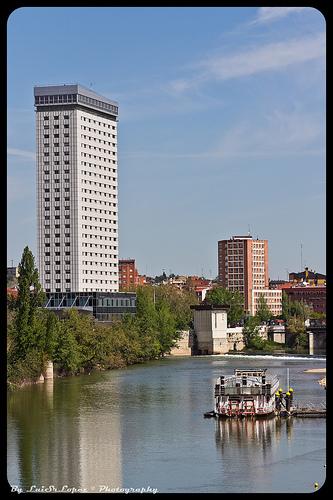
x=77, y=189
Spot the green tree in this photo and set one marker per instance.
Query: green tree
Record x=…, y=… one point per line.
x=166, y=327
x=30, y=297
x=297, y=328
x=219, y=295
x=11, y=303
x=129, y=325
x=47, y=327
x=263, y=312
x=67, y=352
x=179, y=302
x=125, y=345
x=146, y=316
x=25, y=368
x=296, y=325
x=295, y=313
x=295, y=308
x=317, y=315
x=90, y=340
x=161, y=313
x=251, y=332
x=286, y=306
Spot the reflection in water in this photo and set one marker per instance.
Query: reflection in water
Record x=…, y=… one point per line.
x=57, y=436
x=100, y=437
x=251, y=434
x=244, y=432
x=253, y=448
x=48, y=388
x=143, y=426
x=46, y=439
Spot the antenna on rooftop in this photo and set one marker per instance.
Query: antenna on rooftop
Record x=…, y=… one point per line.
x=301, y=258
x=249, y=232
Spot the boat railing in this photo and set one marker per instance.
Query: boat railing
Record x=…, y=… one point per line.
x=254, y=386
x=230, y=391
x=241, y=372
x=234, y=381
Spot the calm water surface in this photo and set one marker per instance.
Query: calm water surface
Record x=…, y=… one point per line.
x=143, y=427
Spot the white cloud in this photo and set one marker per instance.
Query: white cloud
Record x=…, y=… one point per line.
x=268, y=14
x=179, y=86
x=270, y=57
x=28, y=155
x=280, y=133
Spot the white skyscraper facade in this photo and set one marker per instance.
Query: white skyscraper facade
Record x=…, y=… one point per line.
x=77, y=189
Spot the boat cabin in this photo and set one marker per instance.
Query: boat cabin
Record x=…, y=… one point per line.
x=246, y=393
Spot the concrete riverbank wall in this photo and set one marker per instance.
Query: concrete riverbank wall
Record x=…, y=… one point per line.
x=184, y=345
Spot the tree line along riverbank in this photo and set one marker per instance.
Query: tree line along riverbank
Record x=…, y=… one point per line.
x=77, y=343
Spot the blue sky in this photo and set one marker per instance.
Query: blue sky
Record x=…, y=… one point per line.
x=221, y=126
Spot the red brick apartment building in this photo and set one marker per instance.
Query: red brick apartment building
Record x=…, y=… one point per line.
x=314, y=296
x=243, y=266
x=128, y=274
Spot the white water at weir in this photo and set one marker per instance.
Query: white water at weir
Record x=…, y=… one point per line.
x=268, y=356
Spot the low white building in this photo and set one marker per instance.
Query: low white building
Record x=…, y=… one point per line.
x=210, y=328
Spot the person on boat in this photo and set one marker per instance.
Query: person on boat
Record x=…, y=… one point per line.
x=291, y=391
x=287, y=399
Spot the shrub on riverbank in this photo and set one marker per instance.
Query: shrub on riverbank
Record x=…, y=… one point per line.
x=264, y=347
x=26, y=369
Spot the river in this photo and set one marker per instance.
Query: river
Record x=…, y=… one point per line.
x=142, y=429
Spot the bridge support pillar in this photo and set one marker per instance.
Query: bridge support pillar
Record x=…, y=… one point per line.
x=49, y=370
x=311, y=343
